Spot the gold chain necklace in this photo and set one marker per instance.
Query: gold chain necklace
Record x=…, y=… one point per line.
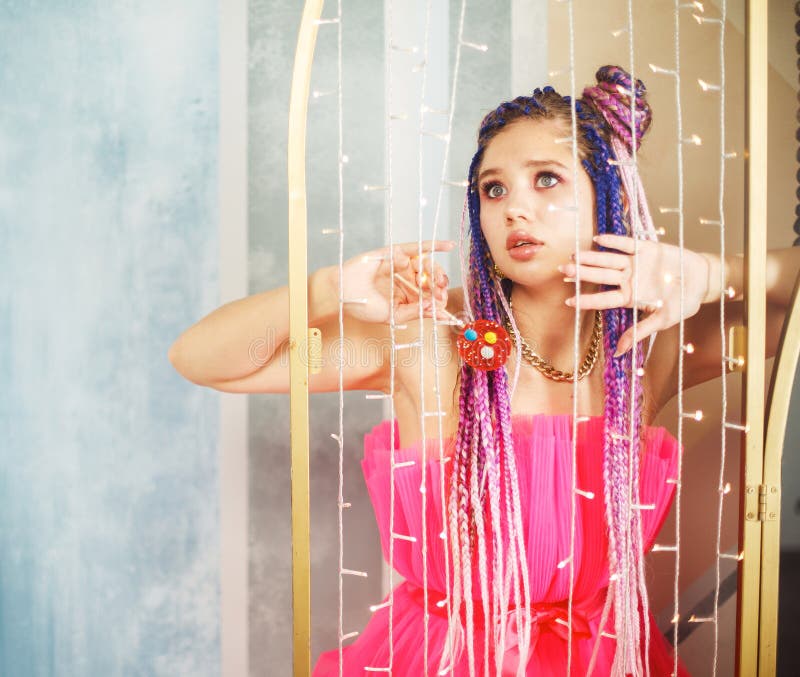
x=548, y=369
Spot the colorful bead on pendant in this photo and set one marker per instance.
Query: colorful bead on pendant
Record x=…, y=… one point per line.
x=484, y=344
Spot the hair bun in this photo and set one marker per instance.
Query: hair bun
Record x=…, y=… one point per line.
x=611, y=97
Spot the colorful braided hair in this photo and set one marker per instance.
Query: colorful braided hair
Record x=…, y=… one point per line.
x=483, y=475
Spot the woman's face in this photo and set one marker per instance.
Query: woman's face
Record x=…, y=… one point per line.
x=526, y=186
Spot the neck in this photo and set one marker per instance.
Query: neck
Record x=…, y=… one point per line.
x=547, y=324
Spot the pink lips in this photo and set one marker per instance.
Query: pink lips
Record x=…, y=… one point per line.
x=523, y=252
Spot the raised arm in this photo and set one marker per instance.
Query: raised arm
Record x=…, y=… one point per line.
x=702, y=329
x=242, y=347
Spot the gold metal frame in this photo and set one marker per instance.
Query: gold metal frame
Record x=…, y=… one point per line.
x=755, y=315
x=778, y=400
x=298, y=338
x=756, y=626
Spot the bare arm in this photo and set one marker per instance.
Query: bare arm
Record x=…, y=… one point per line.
x=239, y=338
x=702, y=330
x=242, y=347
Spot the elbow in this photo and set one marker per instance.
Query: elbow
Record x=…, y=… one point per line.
x=174, y=357
x=178, y=363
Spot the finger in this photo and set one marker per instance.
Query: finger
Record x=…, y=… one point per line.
x=644, y=328
x=411, y=311
x=407, y=312
x=410, y=289
x=430, y=270
x=623, y=243
x=593, y=257
x=412, y=248
x=598, y=275
x=389, y=258
x=599, y=300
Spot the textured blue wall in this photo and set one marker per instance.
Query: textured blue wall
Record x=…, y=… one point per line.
x=108, y=249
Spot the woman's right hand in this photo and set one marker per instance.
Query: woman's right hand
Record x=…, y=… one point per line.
x=368, y=276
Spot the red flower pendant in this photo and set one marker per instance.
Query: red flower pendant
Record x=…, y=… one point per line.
x=484, y=344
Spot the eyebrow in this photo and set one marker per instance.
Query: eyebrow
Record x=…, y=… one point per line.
x=529, y=163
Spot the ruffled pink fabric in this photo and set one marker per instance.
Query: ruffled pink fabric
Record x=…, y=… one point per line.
x=543, y=451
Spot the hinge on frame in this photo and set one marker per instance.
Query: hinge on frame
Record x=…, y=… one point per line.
x=737, y=348
x=314, y=353
x=761, y=503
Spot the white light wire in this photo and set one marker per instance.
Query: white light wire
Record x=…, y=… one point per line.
x=576, y=334
x=340, y=436
x=724, y=350
x=421, y=353
x=679, y=472
x=389, y=210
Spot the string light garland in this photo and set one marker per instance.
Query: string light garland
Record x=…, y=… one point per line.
x=585, y=368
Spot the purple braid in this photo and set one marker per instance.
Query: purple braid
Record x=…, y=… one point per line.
x=484, y=442
x=620, y=466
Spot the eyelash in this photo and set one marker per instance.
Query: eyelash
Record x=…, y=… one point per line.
x=486, y=187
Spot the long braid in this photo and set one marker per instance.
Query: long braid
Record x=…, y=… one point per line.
x=484, y=469
x=621, y=470
x=458, y=529
x=489, y=443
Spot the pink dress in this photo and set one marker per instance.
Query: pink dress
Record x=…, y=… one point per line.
x=543, y=452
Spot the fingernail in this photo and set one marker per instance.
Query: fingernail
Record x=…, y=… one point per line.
x=569, y=279
x=570, y=301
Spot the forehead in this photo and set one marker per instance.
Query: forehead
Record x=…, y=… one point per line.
x=525, y=140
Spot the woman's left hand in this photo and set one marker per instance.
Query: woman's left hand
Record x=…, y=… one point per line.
x=658, y=273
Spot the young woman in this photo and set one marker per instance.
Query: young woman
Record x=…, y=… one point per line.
x=525, y=571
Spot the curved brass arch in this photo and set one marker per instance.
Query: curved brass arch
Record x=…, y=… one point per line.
x=778, y=401
x=298, y=335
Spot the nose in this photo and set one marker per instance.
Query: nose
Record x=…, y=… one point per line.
x=516, y=209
